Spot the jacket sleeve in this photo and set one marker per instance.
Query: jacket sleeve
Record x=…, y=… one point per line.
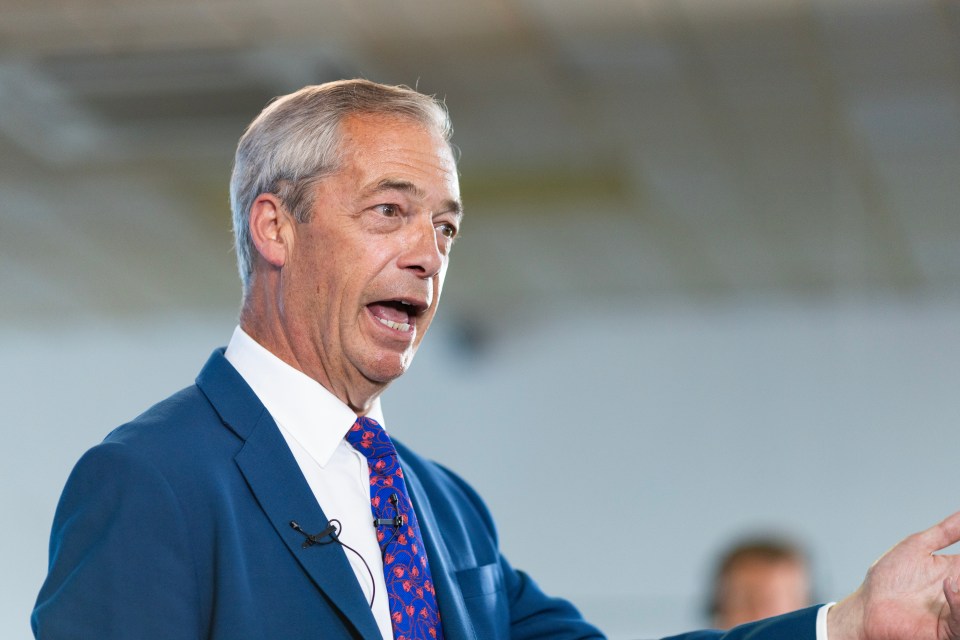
x=798, y=625
x=120, y=560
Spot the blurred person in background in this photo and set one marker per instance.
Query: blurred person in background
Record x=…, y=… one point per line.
x=757, y=578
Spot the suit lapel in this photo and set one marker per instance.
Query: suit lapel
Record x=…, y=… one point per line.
x=453, y=611
x=282, y=492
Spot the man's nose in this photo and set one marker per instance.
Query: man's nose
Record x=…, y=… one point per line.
x=421, y=251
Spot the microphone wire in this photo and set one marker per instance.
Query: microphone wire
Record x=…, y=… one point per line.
x=335, y=537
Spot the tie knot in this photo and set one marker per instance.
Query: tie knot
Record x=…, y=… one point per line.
x=368, y=437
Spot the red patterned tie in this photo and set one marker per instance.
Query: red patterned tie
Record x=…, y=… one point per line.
x=413, y=601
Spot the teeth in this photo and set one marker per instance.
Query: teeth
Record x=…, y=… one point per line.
x=399, y=326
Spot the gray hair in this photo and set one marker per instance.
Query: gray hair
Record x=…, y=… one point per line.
x=295, y=142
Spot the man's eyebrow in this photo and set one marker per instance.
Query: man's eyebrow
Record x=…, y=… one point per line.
x=390, y=184
x=452, y=206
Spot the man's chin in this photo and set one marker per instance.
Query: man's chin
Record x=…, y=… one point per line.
x=387, y=366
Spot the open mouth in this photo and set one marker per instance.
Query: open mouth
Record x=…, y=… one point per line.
x=400, y=314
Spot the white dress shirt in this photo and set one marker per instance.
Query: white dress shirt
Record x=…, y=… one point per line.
x=313, y=422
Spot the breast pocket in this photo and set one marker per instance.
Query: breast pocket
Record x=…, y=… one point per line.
x=486, y=600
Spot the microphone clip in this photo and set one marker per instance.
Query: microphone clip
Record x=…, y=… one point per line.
x=397, y=521
x=317, y=538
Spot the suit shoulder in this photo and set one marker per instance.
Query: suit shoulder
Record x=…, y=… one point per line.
x=175, y=417
x=183, y=437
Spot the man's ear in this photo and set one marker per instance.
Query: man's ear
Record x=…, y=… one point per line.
x=271, y=229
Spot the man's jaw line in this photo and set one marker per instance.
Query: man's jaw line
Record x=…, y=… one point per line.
x=350, y=385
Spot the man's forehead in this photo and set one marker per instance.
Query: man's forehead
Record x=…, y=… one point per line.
x=401, y=154
x=378, y=125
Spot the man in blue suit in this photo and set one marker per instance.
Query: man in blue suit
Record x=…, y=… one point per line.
x=238, y=508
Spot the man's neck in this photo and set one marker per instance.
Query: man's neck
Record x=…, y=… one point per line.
x=360, y=397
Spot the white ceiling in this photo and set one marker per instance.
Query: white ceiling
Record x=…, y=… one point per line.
x=638, y=149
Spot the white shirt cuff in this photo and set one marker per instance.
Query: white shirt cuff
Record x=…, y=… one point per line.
x=822, y=621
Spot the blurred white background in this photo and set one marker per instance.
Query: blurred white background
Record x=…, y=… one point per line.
x=709, y=280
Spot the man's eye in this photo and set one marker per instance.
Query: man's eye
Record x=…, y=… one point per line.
x=388, y=210
x=448, y=230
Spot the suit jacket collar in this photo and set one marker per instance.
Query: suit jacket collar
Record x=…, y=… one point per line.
x=280, y=489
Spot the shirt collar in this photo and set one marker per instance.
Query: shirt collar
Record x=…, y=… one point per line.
x=300, y=405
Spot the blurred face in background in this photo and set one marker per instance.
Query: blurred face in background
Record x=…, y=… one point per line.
x=755, y=588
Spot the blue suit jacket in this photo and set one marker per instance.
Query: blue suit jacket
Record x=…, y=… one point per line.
x=177, y=526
